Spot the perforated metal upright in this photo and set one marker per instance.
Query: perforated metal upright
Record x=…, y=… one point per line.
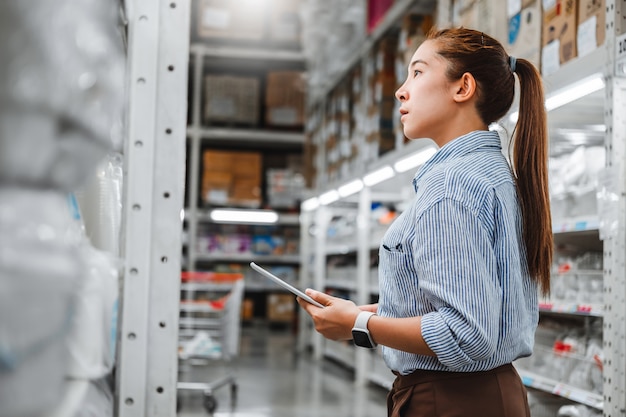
x=614, y=333
x=154, y=154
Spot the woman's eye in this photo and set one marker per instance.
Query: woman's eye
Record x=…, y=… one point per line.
x=416, y=73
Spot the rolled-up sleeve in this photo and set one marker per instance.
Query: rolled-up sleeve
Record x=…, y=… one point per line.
x=455, y=261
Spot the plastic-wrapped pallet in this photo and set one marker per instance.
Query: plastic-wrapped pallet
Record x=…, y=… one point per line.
x=574, y=181
x=40, y=266
x=61, y=90
x=61, y=107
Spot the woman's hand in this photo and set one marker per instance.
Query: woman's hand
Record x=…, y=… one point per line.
x=370, y=307
x=336, y=319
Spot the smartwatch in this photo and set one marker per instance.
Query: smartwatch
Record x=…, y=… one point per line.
x=360, y=334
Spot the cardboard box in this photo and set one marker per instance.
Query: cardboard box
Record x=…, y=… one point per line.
x=413, y=31
x=591, y=30
x=558, y=34
x=514, y=7
x=246, y=164
x=245, y=191
x=216, y=186
x=285, y=98
x=232, y=177
x=280, y=308
x=231, y=99
x=247, y=309
x=244, y=19
x=488, y=16
x=217, y=160
x=524, y=40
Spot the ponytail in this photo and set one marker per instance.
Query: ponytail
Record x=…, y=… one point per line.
x=530, y=165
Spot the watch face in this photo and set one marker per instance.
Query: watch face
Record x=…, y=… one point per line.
x=362, y=339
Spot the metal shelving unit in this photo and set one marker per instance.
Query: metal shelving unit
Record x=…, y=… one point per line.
x=200, y=135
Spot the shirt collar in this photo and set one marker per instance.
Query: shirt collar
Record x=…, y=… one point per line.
x=459, y=147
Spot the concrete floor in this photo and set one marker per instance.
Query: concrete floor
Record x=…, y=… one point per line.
x=274, y=381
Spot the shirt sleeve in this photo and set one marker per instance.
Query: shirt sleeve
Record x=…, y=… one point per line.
x=457, y=271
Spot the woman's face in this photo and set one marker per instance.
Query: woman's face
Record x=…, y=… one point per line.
x=426, y=97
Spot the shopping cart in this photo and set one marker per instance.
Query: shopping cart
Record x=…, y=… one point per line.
x=209, y=329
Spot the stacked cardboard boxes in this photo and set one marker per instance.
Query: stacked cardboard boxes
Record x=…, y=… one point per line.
x=352, y=149
x=549, y=33
x=331, y=132
x=344, y=128
x=559, y=34
x=487, y=16
x=285, y=98
x=232, y=178
x=591, y=30
x=524, y=31
x=313, y=146
x=413, y=31
x=281, y=308
x=380, y=98
x=231, y=100
x=249, y=20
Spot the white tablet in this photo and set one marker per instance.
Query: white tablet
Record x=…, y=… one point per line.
x=285, y=285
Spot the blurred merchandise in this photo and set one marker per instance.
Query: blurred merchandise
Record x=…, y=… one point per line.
x=93, y=335
x=100, y=202
x=231, y=177
x=574, y=182
x=285, y=98
x=284, y=188
x=231, y=100
x=41, y=265
x=61, y=90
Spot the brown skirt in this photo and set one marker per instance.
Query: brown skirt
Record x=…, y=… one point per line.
x=495, y=393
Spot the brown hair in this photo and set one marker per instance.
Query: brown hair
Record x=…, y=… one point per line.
x=470, y=51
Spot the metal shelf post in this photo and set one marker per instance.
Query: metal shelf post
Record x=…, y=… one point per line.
x=153, y=202
x=614, y=332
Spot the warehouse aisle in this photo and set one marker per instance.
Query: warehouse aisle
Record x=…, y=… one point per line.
x=276, y=382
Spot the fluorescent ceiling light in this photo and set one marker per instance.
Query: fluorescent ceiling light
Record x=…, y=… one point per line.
x=577, y=90
x=595, y=128
x=244, y=216
x=378, y=176
x=414, y=160
x=350, y=188
x=571, y=93
x=329, y=197
x=310, y=204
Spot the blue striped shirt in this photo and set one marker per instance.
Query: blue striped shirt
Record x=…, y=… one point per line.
x=456, y=257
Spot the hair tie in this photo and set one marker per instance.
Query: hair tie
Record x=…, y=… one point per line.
x=512, y=63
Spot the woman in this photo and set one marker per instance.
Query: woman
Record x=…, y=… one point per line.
x=460, y=269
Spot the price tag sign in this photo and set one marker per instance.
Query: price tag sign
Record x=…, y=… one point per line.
x=620, y=56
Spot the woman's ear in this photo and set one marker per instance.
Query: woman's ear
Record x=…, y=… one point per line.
x=465, y=88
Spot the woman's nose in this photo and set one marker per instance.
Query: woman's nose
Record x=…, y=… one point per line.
x=401, y=94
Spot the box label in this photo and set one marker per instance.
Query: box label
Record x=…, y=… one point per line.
x=513, y=7
x=586, y=36
x=215, y=18
x=550, y=61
